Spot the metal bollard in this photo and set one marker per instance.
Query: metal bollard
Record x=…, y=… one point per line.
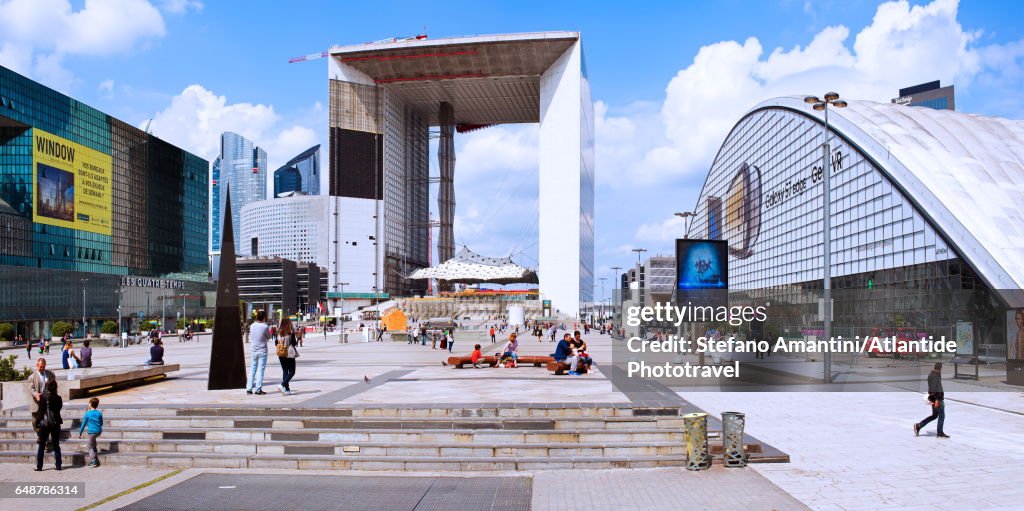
x=732, y=439
x=698, y=456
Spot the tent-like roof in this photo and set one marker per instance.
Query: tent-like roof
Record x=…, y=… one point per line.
x=468, y=267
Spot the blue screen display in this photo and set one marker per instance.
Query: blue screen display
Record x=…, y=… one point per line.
x=702, y=264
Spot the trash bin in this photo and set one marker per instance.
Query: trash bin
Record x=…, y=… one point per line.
x=698, y=456
x=732, y=439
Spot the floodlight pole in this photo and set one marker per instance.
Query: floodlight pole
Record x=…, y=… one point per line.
x=821, y=105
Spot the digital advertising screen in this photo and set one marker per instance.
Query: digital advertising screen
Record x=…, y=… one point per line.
x=72, y=184
x=702, y=264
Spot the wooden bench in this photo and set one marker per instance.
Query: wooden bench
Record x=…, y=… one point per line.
x=491, y=361
x=560, y=368
x=458, y=362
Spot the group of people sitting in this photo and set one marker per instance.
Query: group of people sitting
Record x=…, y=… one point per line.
x=571, y=350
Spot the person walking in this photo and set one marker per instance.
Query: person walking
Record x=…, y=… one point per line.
x=493, y=340
x=286, y=354
x=28, y=348
x=259, y=333
x=47, y=423
x=937, y=400
x=93, y=420
x=451, y=341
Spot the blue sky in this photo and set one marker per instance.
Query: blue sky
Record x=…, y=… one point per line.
x=670, y=78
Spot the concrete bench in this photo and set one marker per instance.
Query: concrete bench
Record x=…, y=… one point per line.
x=86, y=382
x=77, y=383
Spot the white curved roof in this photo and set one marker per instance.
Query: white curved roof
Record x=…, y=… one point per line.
x=964, y=171
x=470, y=267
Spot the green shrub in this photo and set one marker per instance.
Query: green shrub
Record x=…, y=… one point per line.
x=146, y=326
x=61, y=328
x=10, y=372
x=109, y=327
x=6, y=331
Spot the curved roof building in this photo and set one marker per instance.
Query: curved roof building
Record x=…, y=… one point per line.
x=922, y=199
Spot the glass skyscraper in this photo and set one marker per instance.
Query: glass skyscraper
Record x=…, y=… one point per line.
x=243, y=171
x=300, y=174
x=215, y=222
x=96, y=215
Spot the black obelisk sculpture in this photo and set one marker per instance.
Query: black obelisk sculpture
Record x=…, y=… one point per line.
x=227, y=360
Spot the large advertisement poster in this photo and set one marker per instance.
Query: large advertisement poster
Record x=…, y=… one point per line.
x=71, y=183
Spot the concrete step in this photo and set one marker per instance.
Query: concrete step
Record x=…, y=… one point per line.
x=558, y=410
x=353, y=462
x=547, y=450
x=421, y=436
x=282, y=422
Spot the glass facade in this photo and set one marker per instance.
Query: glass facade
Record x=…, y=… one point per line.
x=157, y=206
x=243, y=172
x=214, y=207
x=890, y=266
x=300, y=174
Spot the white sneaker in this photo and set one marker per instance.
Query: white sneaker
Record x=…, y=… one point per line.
x=280, y=389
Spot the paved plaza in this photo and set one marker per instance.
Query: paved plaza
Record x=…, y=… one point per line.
x=848, y=450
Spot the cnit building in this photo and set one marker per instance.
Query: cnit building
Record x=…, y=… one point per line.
x=927, y=218
x=95, y=215
x=388, y=99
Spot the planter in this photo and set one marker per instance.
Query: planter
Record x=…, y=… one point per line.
x=108, y=336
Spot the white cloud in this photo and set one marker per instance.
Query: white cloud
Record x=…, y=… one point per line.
x=486, y=153
x=195, y=119
x=181, y=6
x=106, y=87
x=902, y=46
x=661, y=232
x=36, y=35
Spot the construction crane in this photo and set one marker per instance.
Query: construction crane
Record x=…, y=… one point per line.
x=325, y=54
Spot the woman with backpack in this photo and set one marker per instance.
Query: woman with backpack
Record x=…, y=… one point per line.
x=47, y=423
x=286, y=354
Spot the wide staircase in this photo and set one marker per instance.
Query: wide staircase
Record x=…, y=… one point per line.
x=394, y=437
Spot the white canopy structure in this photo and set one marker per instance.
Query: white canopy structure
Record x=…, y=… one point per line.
x=468, y=267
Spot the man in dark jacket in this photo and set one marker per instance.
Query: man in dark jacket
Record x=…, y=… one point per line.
x=937, y=398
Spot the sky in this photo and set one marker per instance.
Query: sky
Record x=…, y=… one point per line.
x=669, y=79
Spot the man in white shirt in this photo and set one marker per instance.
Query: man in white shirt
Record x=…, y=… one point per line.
x=259, y=334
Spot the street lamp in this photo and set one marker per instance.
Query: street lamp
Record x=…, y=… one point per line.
x=686, y=216
x=639, y=292
x=341, y=320
x=639, y=251
x=831, y=98
x=85, y=328
x=615, y=283
x=602, y=279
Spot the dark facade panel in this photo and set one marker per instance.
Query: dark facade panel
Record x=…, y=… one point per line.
x=356, y=164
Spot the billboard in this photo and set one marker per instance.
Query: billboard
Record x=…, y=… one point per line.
x=71, y=184
x=702, y=264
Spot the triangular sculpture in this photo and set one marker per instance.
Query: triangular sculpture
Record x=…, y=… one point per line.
x=227, y=359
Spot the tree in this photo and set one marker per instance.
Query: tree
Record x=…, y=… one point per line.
x=6, y=331
x=109, y=327
x=9, y=372
x=61, y=328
